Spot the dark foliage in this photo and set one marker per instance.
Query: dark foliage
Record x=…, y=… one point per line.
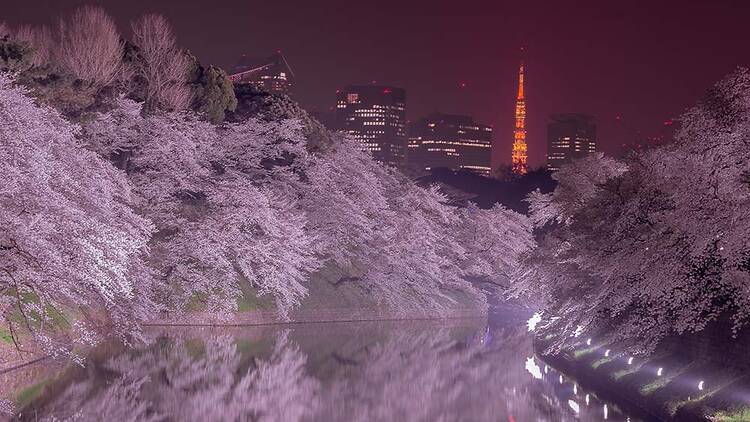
x=252, y=102
x=213, y=93
x=485, y=191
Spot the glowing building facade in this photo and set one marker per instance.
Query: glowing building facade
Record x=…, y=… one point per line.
x=450, y=141
x=519, y=154
x=271, y=74
x=376, y=117
x=569, y=136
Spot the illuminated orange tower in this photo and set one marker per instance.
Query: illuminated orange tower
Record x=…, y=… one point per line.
x=519, y=155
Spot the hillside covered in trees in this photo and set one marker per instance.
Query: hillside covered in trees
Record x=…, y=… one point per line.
x=138, y=183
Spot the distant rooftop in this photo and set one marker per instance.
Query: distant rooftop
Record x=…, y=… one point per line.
x=273, y=63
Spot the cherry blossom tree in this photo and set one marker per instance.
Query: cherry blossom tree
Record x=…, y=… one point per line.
x=222, y=221
x=657, y=245
x=404, y=244
x=69, y=242
x=494, y=240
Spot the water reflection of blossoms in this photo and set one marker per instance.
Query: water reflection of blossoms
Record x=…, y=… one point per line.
x=413, y=374
x=183, y=381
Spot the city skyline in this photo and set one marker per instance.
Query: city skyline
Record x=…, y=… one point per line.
x=632, y=66
x=450, y=141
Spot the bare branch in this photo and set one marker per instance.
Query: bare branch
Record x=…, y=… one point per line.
x=163, y=66
x=90, y=46
x=39, y=38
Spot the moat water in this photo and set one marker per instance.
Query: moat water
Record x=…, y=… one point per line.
x=460, y=370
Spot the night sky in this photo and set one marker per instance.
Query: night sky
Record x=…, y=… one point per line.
x=643, y=61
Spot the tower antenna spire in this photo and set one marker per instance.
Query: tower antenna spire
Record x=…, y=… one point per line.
x=520, y=149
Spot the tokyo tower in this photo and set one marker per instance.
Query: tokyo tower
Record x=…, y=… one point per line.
x=519, y=154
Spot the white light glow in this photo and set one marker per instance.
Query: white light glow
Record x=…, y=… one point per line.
x=630, y=361
x=575, y=389
x=606, y=353
x=546, y=369
x=573, y=405
x=587, y=399
x=606, y=412
x=659, y=372
x=700, y=385
x=533, y=368
x=561, y=379
x=588, y=342
x=533, y=321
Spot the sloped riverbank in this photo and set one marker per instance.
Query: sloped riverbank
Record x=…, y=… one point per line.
x=688, y=378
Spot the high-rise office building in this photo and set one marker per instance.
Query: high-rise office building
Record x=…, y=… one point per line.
x=569, y=136
x=271, y=74
x=451, y=141
x=376, y=117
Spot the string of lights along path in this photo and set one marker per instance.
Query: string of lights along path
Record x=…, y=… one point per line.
x=520, y=153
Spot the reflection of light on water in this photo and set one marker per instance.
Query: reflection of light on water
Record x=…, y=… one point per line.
x=533, y=321
x=573, y=400
x=573, y=405
x=533, y=368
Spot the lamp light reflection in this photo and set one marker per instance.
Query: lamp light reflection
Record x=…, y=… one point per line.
x=573, y=405
x=533, y=321
x=533, y=368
